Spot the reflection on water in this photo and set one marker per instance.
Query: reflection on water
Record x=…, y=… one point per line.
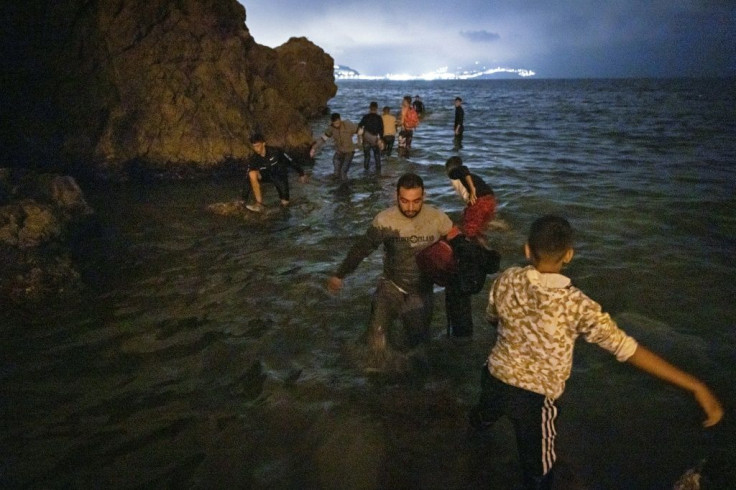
x=208, y=354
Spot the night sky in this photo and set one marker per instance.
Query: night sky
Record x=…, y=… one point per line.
x=555, y=39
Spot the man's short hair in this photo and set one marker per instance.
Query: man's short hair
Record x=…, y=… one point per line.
x=335, y=116
x=550, y=236
x=374, y=105
x=458, y=99
x=409, y=181
x=257, y=138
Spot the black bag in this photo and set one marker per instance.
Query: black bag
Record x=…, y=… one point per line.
x=474, y=263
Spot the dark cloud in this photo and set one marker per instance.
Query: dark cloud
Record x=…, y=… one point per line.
x=480, y=36
x=570, y=38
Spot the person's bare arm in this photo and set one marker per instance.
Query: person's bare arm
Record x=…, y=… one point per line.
x=255, y=177
x=651, y=363
x=472, y=197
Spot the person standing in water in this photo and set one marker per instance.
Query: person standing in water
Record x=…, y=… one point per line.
x=408, y=121
x=459, y=124
x=389, y=131
x=403, y=291
x=341, y=131
x=370, y=128
x=539, y=315
x=418, y=105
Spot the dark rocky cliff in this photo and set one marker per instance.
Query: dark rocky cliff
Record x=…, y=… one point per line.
x=114, y=88
x=166, y=85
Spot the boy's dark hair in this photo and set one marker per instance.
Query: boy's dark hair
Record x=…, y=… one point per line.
x=386, y=109
x=335, y=116
x=550, y=236
x=374, y=105
x=453, y=162
x=458, y=99
x=257, y=138
x=409, y=181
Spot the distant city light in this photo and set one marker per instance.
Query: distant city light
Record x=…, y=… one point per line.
x=442, y=73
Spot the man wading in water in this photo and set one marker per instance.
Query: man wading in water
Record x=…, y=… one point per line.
x=403, y=292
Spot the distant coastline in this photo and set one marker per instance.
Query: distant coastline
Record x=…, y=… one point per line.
x=477, y=72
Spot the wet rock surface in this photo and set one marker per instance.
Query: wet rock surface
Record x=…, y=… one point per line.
x=158, y=85
x=40, y=217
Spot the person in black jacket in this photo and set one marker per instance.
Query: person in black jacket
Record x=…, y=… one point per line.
x=459, y=124
x=370, y=128
x=268, y=164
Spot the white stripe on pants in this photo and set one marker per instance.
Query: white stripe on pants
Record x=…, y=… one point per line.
x=549, y=432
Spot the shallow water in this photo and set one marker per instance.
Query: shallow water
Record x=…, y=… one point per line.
x=207, y=353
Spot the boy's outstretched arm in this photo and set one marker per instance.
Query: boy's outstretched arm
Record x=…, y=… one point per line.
x=651, y=363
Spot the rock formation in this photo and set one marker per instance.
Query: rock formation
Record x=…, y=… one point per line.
x=38, y=218
x=167, y=86
x=110, y=88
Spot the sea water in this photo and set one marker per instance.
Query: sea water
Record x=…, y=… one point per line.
x=207, y=353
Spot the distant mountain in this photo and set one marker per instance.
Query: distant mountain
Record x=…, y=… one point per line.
x=477, y=71
x=489, y=73
x=343, y=72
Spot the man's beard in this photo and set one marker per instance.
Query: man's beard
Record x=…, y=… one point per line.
x=410, y=214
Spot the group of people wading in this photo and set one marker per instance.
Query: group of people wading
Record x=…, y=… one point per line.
x=376, y=134
x=537, y=312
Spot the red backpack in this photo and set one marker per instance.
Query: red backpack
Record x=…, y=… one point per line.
x=411, y=119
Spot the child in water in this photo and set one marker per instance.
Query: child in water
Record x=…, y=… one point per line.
x=539, y=315
x=481, y=202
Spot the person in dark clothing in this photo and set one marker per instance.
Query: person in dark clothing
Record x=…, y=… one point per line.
x=474, y=263
x=459, y=125
x=370, y=128
x=459, y=265
x=480, y=199
x=418, y=105
x=268, y=164
x=480, y=210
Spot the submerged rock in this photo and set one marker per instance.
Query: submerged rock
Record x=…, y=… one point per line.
x=36, y=224
x=229, y=208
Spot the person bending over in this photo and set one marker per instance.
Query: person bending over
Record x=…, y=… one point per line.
x=268, y=164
